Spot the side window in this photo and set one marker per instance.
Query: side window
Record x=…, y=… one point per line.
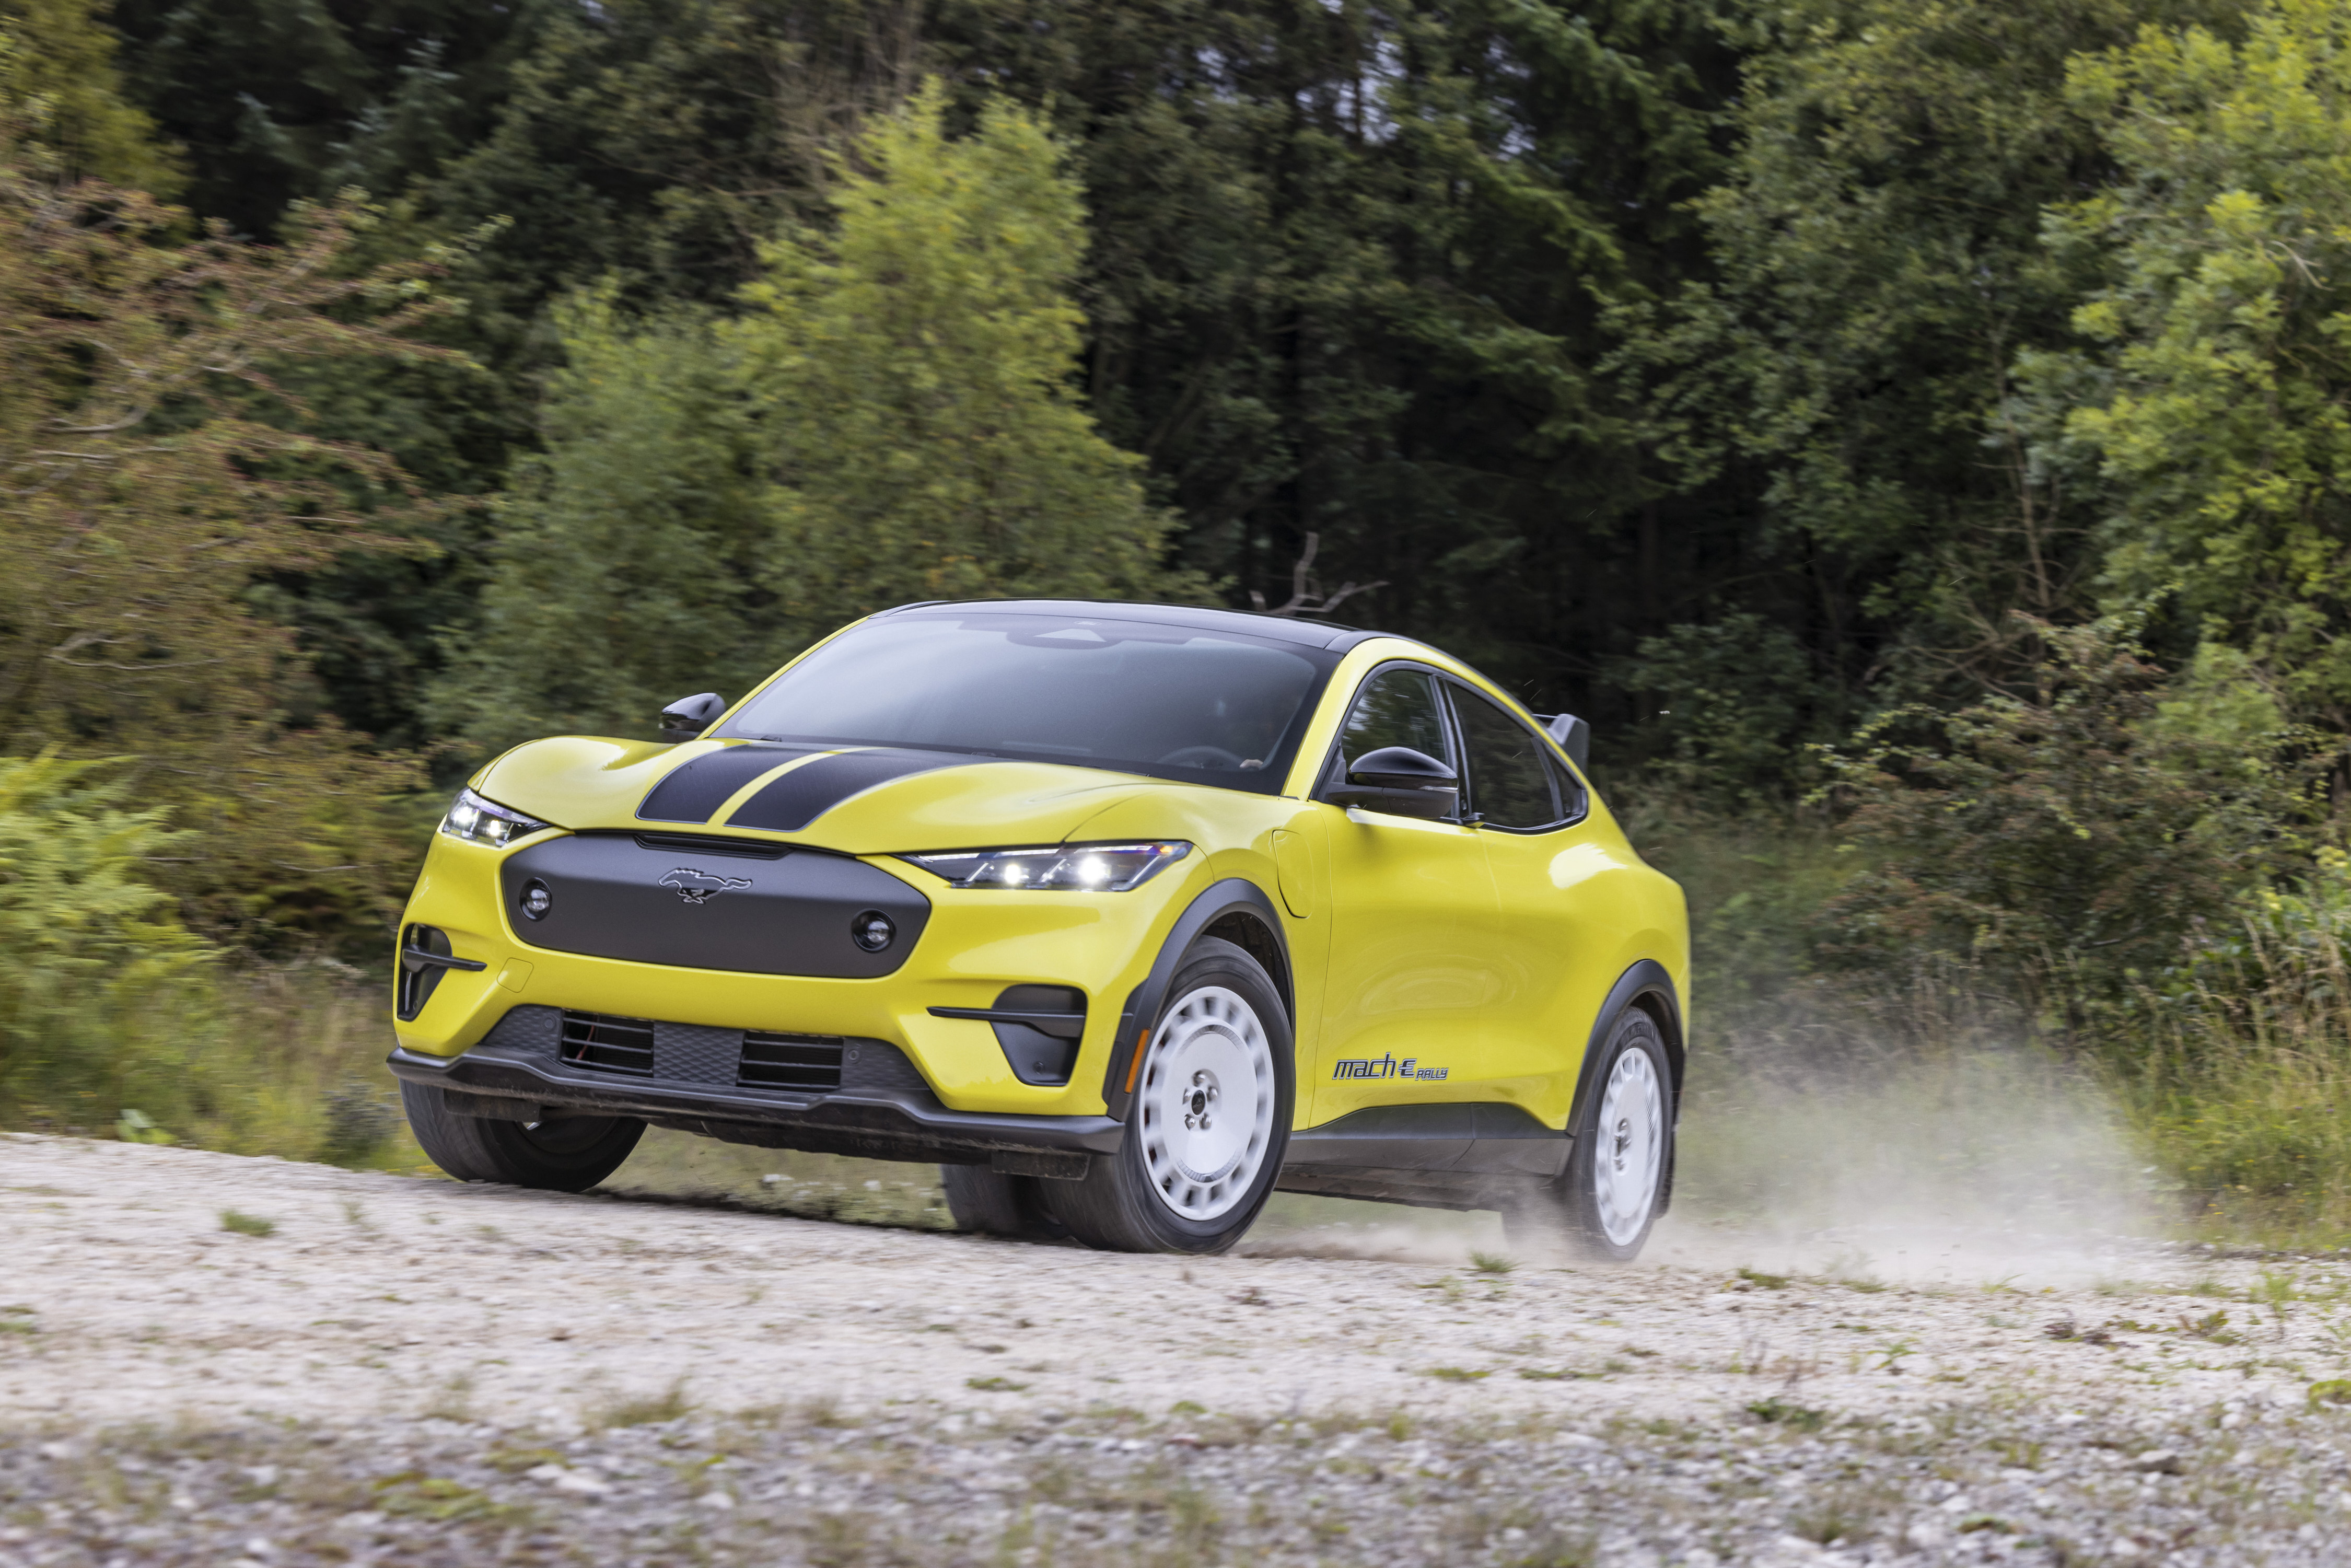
x=1395, y=707
x=1510, y=779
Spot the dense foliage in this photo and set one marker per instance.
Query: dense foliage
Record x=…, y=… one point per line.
x=890, y=419
x=1915, y=434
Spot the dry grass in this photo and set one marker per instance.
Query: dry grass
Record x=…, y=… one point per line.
x=283, y=1060
x=2242, y=1082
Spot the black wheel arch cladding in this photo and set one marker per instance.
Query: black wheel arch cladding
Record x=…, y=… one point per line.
x=1646, y=985
x=1236, y=909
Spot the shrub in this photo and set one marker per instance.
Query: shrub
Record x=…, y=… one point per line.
x=112, y=1015
x=2064, y=841
x=89, y=954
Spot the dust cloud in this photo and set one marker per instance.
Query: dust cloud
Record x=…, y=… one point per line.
x=1959, y=1167
x=1965, y=1167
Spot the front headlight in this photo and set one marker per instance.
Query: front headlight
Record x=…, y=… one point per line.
x=480, y=821
x=1076, y=868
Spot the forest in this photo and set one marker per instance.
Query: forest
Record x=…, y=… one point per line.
x=1917, y=438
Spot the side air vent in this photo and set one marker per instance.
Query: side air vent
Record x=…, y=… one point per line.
x=790, y=1061
x=614, y=1044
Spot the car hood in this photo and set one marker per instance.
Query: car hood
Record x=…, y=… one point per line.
x=861, y=800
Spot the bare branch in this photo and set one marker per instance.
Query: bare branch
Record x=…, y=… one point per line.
x=1306, y=595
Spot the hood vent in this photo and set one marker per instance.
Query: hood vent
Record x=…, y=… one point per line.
x=709, y=844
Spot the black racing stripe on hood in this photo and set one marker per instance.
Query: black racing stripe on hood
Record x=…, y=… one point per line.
x=808, y=792
x=692, y=793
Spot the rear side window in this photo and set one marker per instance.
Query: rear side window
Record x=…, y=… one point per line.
x=1509, y=776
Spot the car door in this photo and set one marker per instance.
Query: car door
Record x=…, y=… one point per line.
x=1410, y=973
x=1550, y=938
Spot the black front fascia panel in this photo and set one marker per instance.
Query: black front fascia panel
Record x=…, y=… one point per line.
x=611, y=898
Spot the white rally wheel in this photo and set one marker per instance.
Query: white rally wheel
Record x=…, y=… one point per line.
x=1628, y=1148
x=1206, y=1102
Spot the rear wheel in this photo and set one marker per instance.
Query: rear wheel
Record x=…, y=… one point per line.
x=1602, y=1210
x=991, y=1203
x=569, y=1155
x=1209, y=1121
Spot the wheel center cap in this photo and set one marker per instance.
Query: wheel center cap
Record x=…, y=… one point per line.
x=1199, y=1100
x=1623, y=1140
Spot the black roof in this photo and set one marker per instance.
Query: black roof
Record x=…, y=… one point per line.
x=1276, y=628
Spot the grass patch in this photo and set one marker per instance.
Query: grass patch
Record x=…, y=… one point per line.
x=255, y=1059
x=1777, y=1412
x=246, y=1224
x=1491, y=1263
x=993, y=1385
x=644, y=1410
x=1458, y=1373
x=414, y=1495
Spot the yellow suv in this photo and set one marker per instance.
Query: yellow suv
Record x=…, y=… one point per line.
x=1126, y=914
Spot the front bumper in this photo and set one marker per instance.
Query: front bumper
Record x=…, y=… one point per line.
x=882, y=1110
x=973, y=945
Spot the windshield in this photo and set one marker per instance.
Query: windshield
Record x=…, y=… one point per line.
x=1209, y=707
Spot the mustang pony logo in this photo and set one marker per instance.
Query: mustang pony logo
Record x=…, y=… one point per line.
x=696, y=886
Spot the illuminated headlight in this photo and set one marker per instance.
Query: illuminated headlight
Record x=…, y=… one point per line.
x=480, y=821
x=1080, y=868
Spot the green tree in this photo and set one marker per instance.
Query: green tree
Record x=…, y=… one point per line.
x=629, y=561
x=892, y=420
x=61, y=71
x=927, y=442
x=2212, y=394
x=542, y=148
x=277, y=101
x=152, y=470
x=2067, y=837
x=1350, y=268
x=1845, y=382
x=658, y=142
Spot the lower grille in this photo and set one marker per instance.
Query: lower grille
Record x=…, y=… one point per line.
x=614, y=1044
x=790, y=1061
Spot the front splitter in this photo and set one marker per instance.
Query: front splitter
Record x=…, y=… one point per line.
x=895, y=1123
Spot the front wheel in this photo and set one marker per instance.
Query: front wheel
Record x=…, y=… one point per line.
x=1602, y=1210
x=570, y=1154
x=1208, y=1122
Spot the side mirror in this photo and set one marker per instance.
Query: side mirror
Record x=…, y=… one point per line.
x=1401, y=781
x=1574, y=738
x=689, y=717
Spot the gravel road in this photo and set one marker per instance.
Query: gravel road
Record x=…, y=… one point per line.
x=405, y=1370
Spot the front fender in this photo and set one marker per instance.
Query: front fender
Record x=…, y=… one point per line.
x=1233, y=895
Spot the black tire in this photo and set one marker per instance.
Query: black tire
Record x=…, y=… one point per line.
x=990, y=1203
x=1570, y=1218
x=1120, y=1206
x=571, y=1155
